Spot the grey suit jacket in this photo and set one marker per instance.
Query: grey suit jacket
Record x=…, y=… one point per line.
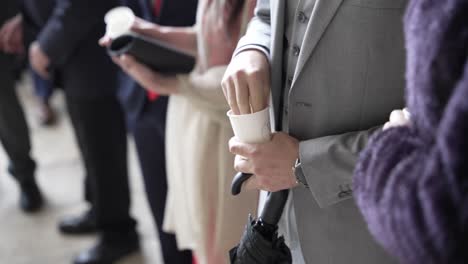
x=350, y=76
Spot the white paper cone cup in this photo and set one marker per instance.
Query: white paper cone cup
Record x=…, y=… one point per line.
x=251, y=128
x=119, y=21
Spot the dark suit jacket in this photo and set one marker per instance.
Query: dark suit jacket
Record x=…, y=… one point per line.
x=173, y=13
x=8, y=8
x=68, y=31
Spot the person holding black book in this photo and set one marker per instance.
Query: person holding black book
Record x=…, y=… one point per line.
x=200, y=210
x=146, y=118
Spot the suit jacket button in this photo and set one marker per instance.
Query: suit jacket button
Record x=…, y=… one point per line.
x=301, y=17
x=344, y=194
x=303, y=104
x=345, y=191
x=296, y=50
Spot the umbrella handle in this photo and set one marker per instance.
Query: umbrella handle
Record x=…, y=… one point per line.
x=274, y=204
x=239, y=179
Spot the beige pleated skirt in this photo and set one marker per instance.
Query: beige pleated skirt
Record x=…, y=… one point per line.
x=200, y=209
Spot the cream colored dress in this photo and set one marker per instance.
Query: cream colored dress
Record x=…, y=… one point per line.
x=200, y=209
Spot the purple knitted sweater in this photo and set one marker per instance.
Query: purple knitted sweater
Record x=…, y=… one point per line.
x=411, y=183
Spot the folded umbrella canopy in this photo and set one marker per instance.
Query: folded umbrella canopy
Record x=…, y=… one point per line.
x=260, y=243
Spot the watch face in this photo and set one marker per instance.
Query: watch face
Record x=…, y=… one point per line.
x=297, y=164
x=300, y=177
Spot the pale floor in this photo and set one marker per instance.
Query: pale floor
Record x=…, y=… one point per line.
x=34, y=239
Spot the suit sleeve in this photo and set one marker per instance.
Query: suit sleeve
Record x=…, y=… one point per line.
x=328, y=163
x=258, y=35
x=412, y=191
x=69, y=24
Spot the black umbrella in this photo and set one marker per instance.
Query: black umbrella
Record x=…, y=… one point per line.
x=260, y=242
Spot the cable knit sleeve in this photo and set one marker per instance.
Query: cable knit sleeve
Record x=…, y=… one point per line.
x=413, y=193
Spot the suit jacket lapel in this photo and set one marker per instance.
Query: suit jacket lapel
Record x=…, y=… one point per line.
x=321, y=17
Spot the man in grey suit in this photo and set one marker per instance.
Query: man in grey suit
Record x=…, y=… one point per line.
x=336, y=69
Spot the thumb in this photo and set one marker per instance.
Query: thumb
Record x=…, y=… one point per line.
x=105, y=41
x=145, y=28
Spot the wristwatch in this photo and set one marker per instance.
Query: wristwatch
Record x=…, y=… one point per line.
x=300, y=177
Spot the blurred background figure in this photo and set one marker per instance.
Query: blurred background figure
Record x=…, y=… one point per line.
x=411, y=183
x=44, y=90
x=62, y=36
x=14, y=132
x=200, y=210
x=146, y=116
x=13, y=31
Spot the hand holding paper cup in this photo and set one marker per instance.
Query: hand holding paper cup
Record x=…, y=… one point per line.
x=249, y=128
x=159, y=56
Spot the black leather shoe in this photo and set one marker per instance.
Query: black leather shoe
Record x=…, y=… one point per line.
x=79, y=225
x=30, y=198
x=107, y=253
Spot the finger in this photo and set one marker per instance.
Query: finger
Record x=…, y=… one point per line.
x=105, y=41
x=6, y=43
x=387, y=126
x=232, y=100
x=142, y=74
x=2, y=39
x=7, y=31
x=242, y=94
x=258, y=100
x=242, y=149
x=397, y=117
x=8, y=36
x=38, y=68
x=407, y=114
x=116, y=60
x=251, y=184
x=11, y=46
x=128, y=62
x=224, y=85
x=43, y=72
x=18, y=43
x=2, y=30
x=266, y=87
x=19, y=49
x=245, y=166
x=144, y=27
x=242, y=165
x=138, y=23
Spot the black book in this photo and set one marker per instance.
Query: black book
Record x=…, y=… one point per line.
x=157, y=55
